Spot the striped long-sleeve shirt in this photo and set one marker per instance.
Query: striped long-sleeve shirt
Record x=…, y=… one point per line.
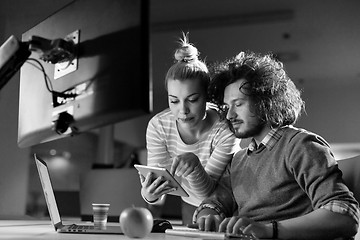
x=214, y=151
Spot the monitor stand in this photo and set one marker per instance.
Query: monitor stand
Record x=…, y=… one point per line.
x=105, y=153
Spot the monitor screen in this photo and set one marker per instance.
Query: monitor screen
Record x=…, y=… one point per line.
x=106, y=82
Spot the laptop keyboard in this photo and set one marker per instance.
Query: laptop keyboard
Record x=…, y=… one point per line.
x=190, y=232
x=75, y=227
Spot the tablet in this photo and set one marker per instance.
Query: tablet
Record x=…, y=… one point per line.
x=157, y=171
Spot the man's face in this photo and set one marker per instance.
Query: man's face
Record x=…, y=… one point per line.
x=240, y=111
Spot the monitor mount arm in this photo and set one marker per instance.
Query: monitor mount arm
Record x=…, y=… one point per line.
x=13, y=54
x=53, y=51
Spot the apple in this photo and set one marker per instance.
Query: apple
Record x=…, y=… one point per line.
x=136, y=222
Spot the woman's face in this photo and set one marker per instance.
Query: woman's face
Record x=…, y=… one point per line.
x=187, y=101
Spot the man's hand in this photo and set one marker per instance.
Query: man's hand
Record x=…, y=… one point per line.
x=237, y=225
x=209, y=222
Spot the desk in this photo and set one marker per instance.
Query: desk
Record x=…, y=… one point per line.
x=43, y=229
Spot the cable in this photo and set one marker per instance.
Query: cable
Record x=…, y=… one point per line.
x=42, y=69
x=48, y=82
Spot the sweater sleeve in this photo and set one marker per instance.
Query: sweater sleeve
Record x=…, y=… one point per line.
x=317, y=173
x=221, y=200
x=203, y=180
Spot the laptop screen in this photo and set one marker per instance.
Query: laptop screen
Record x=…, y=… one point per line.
x=48, y=191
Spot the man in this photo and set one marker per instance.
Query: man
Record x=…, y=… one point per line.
x=286, y=184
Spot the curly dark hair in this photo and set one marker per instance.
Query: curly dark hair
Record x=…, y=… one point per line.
x=276, y=99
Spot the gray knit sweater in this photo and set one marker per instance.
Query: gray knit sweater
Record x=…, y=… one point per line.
x=296, y=174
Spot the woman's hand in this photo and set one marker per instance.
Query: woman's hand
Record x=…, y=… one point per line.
x=184, y=164
x=152, y=189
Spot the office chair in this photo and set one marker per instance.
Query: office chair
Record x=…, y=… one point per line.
x=351, y=174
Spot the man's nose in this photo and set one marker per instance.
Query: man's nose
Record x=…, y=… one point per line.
x=231, y=114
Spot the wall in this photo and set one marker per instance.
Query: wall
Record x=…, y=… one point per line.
x=14, y=161
x=320, y=46
x=332, y=109
x=14, y=164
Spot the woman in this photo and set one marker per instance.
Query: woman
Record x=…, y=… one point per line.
x=189, y=138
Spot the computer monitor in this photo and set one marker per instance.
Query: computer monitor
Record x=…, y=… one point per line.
x=108, y=80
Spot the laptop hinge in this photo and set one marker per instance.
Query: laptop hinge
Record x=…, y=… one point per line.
x=58, y=225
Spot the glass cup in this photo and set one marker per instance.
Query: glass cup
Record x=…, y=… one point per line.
x=100, y=214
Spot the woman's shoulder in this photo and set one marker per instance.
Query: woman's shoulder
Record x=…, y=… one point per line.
x=216, y=120
x=163, y=115
x=163, y=119
x=219, y=126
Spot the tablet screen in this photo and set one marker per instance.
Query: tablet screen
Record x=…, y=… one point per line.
x=157, y=171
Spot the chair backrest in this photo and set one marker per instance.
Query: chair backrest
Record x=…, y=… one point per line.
x=351, y=174
x=120, y=187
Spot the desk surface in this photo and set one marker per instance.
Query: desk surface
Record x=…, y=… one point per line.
x=43, y=229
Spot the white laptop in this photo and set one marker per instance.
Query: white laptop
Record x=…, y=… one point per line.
x=196, y=233
x=53, y=209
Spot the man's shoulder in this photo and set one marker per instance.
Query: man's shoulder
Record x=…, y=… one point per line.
x=291, y=131
x=300, y=136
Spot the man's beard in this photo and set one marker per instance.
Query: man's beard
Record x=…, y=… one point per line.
x=254, y=130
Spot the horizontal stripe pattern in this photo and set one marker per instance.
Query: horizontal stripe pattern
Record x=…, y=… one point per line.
x=214, y=151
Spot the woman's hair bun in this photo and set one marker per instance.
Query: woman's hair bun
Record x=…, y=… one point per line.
x=186, y=52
